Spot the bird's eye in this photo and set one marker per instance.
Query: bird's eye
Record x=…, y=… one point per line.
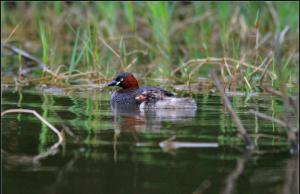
x=118, y=82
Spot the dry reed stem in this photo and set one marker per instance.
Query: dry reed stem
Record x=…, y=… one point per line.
x=292, y=138
x=231, y=179
x=261, y=135
x=56, y=131
x=80, y=74
x=111, y=49
x=65, y=127
x=51, y=151
x=280, y=94
x=240, y=128
x=260, y=66
x=234, y=77
x=130, y=64
x=291, y=183
x=219, y=61
x=12, y=33
x=202, y=187
x=30, y=57
x=138, y=38
x=264, y=40
x=287, y=101
x=227, y=68
x=264, y=74
x=188, y=21
x=247, y=83
x=268, y=118
x=136, y=51
x=273, y=13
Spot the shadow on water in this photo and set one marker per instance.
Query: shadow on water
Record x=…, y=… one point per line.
x=118, y=151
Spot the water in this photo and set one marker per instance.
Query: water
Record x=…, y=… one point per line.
x=126, y=152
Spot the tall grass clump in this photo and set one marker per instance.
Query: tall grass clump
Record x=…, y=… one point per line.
x=78, y=52
x=45, y=46
x=129, y=14
x=160, y=15
x=161, y=36
x=109, y=15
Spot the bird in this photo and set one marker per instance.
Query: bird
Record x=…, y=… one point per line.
x=131, y=95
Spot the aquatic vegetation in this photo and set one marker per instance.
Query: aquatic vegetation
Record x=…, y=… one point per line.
x=159, y=39
x=242, y=120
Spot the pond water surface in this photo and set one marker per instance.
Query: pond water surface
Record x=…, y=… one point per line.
x=122, y=152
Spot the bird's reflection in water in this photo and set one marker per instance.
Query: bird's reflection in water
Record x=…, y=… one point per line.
x=128, y=119
x=132, y=120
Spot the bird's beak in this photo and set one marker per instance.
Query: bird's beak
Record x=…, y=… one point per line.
x=112, y=83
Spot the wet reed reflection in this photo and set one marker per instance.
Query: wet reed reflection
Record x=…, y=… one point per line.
x=143, y=152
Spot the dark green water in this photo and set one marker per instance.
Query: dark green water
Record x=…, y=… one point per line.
x=120, y=152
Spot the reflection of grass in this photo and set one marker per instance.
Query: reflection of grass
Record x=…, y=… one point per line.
x=44, y=131
x=92, y=122
x=171, y=33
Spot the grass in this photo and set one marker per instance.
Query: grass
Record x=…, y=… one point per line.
x=129, y=14
x=44, y=43
x=74, y=53
x=170, y=33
